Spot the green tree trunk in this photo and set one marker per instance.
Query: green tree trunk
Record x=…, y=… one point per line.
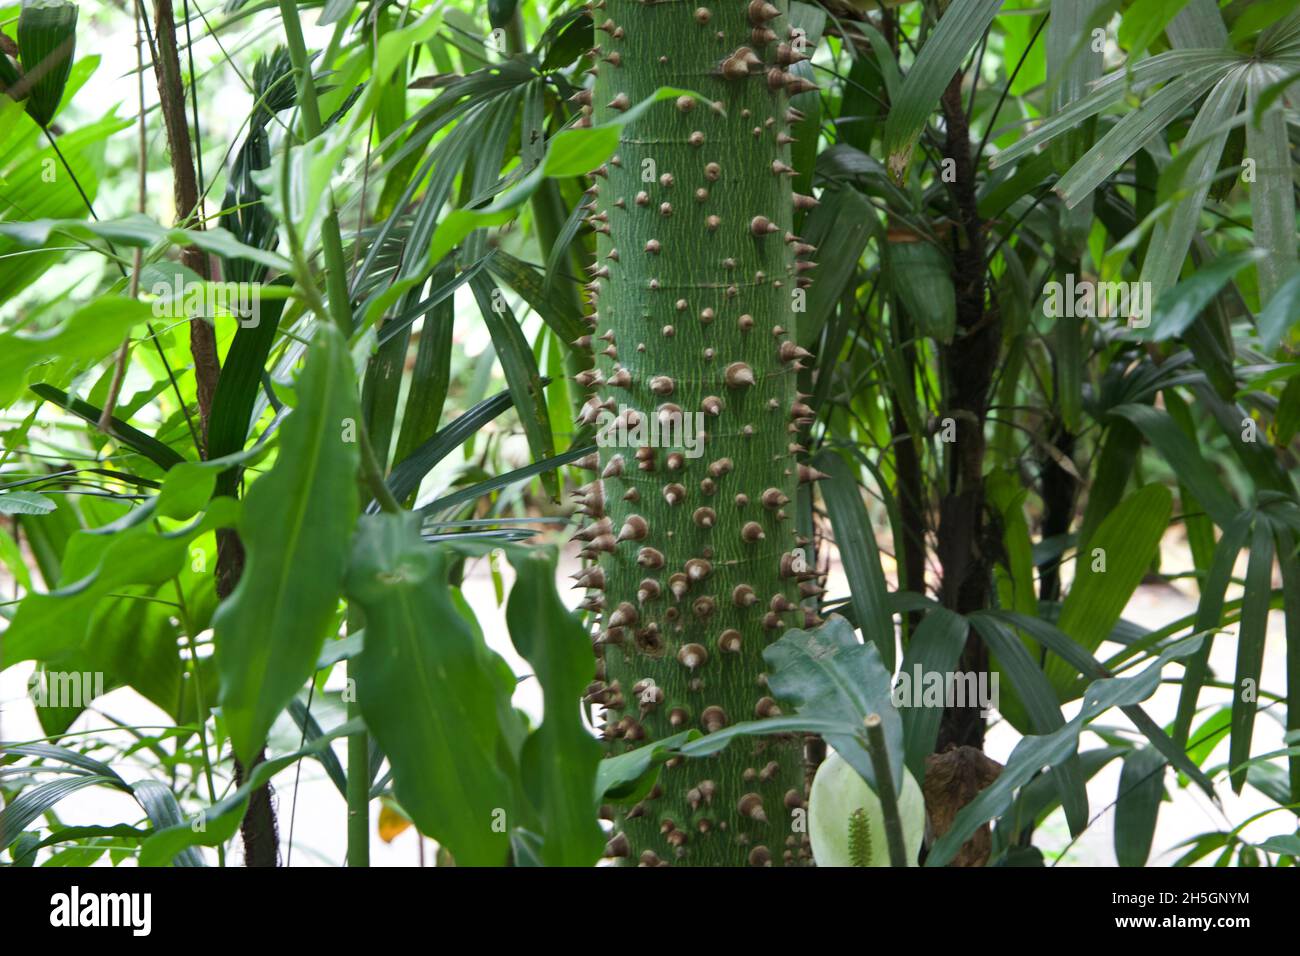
x=696, y=287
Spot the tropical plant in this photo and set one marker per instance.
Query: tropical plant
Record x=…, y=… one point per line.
x=1047, y=359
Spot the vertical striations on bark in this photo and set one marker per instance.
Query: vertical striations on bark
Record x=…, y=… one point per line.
x=695, y=285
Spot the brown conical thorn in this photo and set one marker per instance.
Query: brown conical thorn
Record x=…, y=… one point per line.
x=581, y=98
x=742, y=500
x=665, y=209
x=652, y=246
x=621, y=378
x=721, y=467
x=760, y=11
x=771, y=768
x=713, y=718
x=746, y=322
x=645, y=458
x=762, y=226
x=703, y=606
x=588, y=378
x=798, y=84
x=604, y=543
x=751, y=805
x=712, y=223
x=742, y=595
x=694, y=798
x=760, y=856
x=800, y=410
x=614, y=468
x=650, y=698
x=592, y=577
x=774, y=498
x=696, y=139
x=804, y=249
x=747, y=430
x=788, y=564
x=642, y=198
x=804, y=265
x=679, y=584
x=617, y=846
x=762, y=36
x=593, y=530
x=612, y=255
x=678, y=716
x=615, y=59
x=703, y=15
x=791, y=352
x=582, y=342
x=692, y=656
x=808, y=473
x=697, y=569
x=635, y=528
x=712, y=171
x=668, y=414
x=661, y=385
x=623, y=616
x=793, y=115
x=729, y=641
x=593, y=603
x=810, y=618
x=676, y=461
x=705, y=517
x=787, y=55
x=781, y=169
x=738, y=375
x=804, y=202
x=752, y=532
x=674, y=493
x=737, y=66
x=666, y=180
x=647, y=590
x=775, y=80
x=810, y=589
x=610, y=352
x=781, y=603
x=650, y=558
x=803, y=282
x=589, y=412
x=771, y=621
x=707, y=315
x=607, y=27
x=588, y=462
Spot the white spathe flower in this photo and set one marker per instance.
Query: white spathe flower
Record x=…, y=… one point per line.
x=838, y=839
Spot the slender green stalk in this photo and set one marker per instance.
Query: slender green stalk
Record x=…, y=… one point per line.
x=358, y=792
x=885, y=790
x=200, y=703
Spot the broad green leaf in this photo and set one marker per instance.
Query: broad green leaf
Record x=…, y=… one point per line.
x=1183, y=457
x=452, y=770
x=1250, y=650
x=24, y=503
x=1105, y=578
x=828, y=676
x=935, y=648
x=1137, y=805
x=1033, y=753
x=560, y=758
x=86, y=336
x=958, y=30
x=1272, y=197
x=270, y=630
x=857, y=547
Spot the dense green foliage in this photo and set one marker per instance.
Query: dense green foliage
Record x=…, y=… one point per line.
x=277, y=385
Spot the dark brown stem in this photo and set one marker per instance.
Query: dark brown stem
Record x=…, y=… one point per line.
x=964, y=547
x=261, y=838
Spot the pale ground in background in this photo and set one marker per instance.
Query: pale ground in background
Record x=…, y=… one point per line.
x=320, y=831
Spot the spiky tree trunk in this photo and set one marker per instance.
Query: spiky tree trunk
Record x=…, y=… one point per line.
x=696, y=288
